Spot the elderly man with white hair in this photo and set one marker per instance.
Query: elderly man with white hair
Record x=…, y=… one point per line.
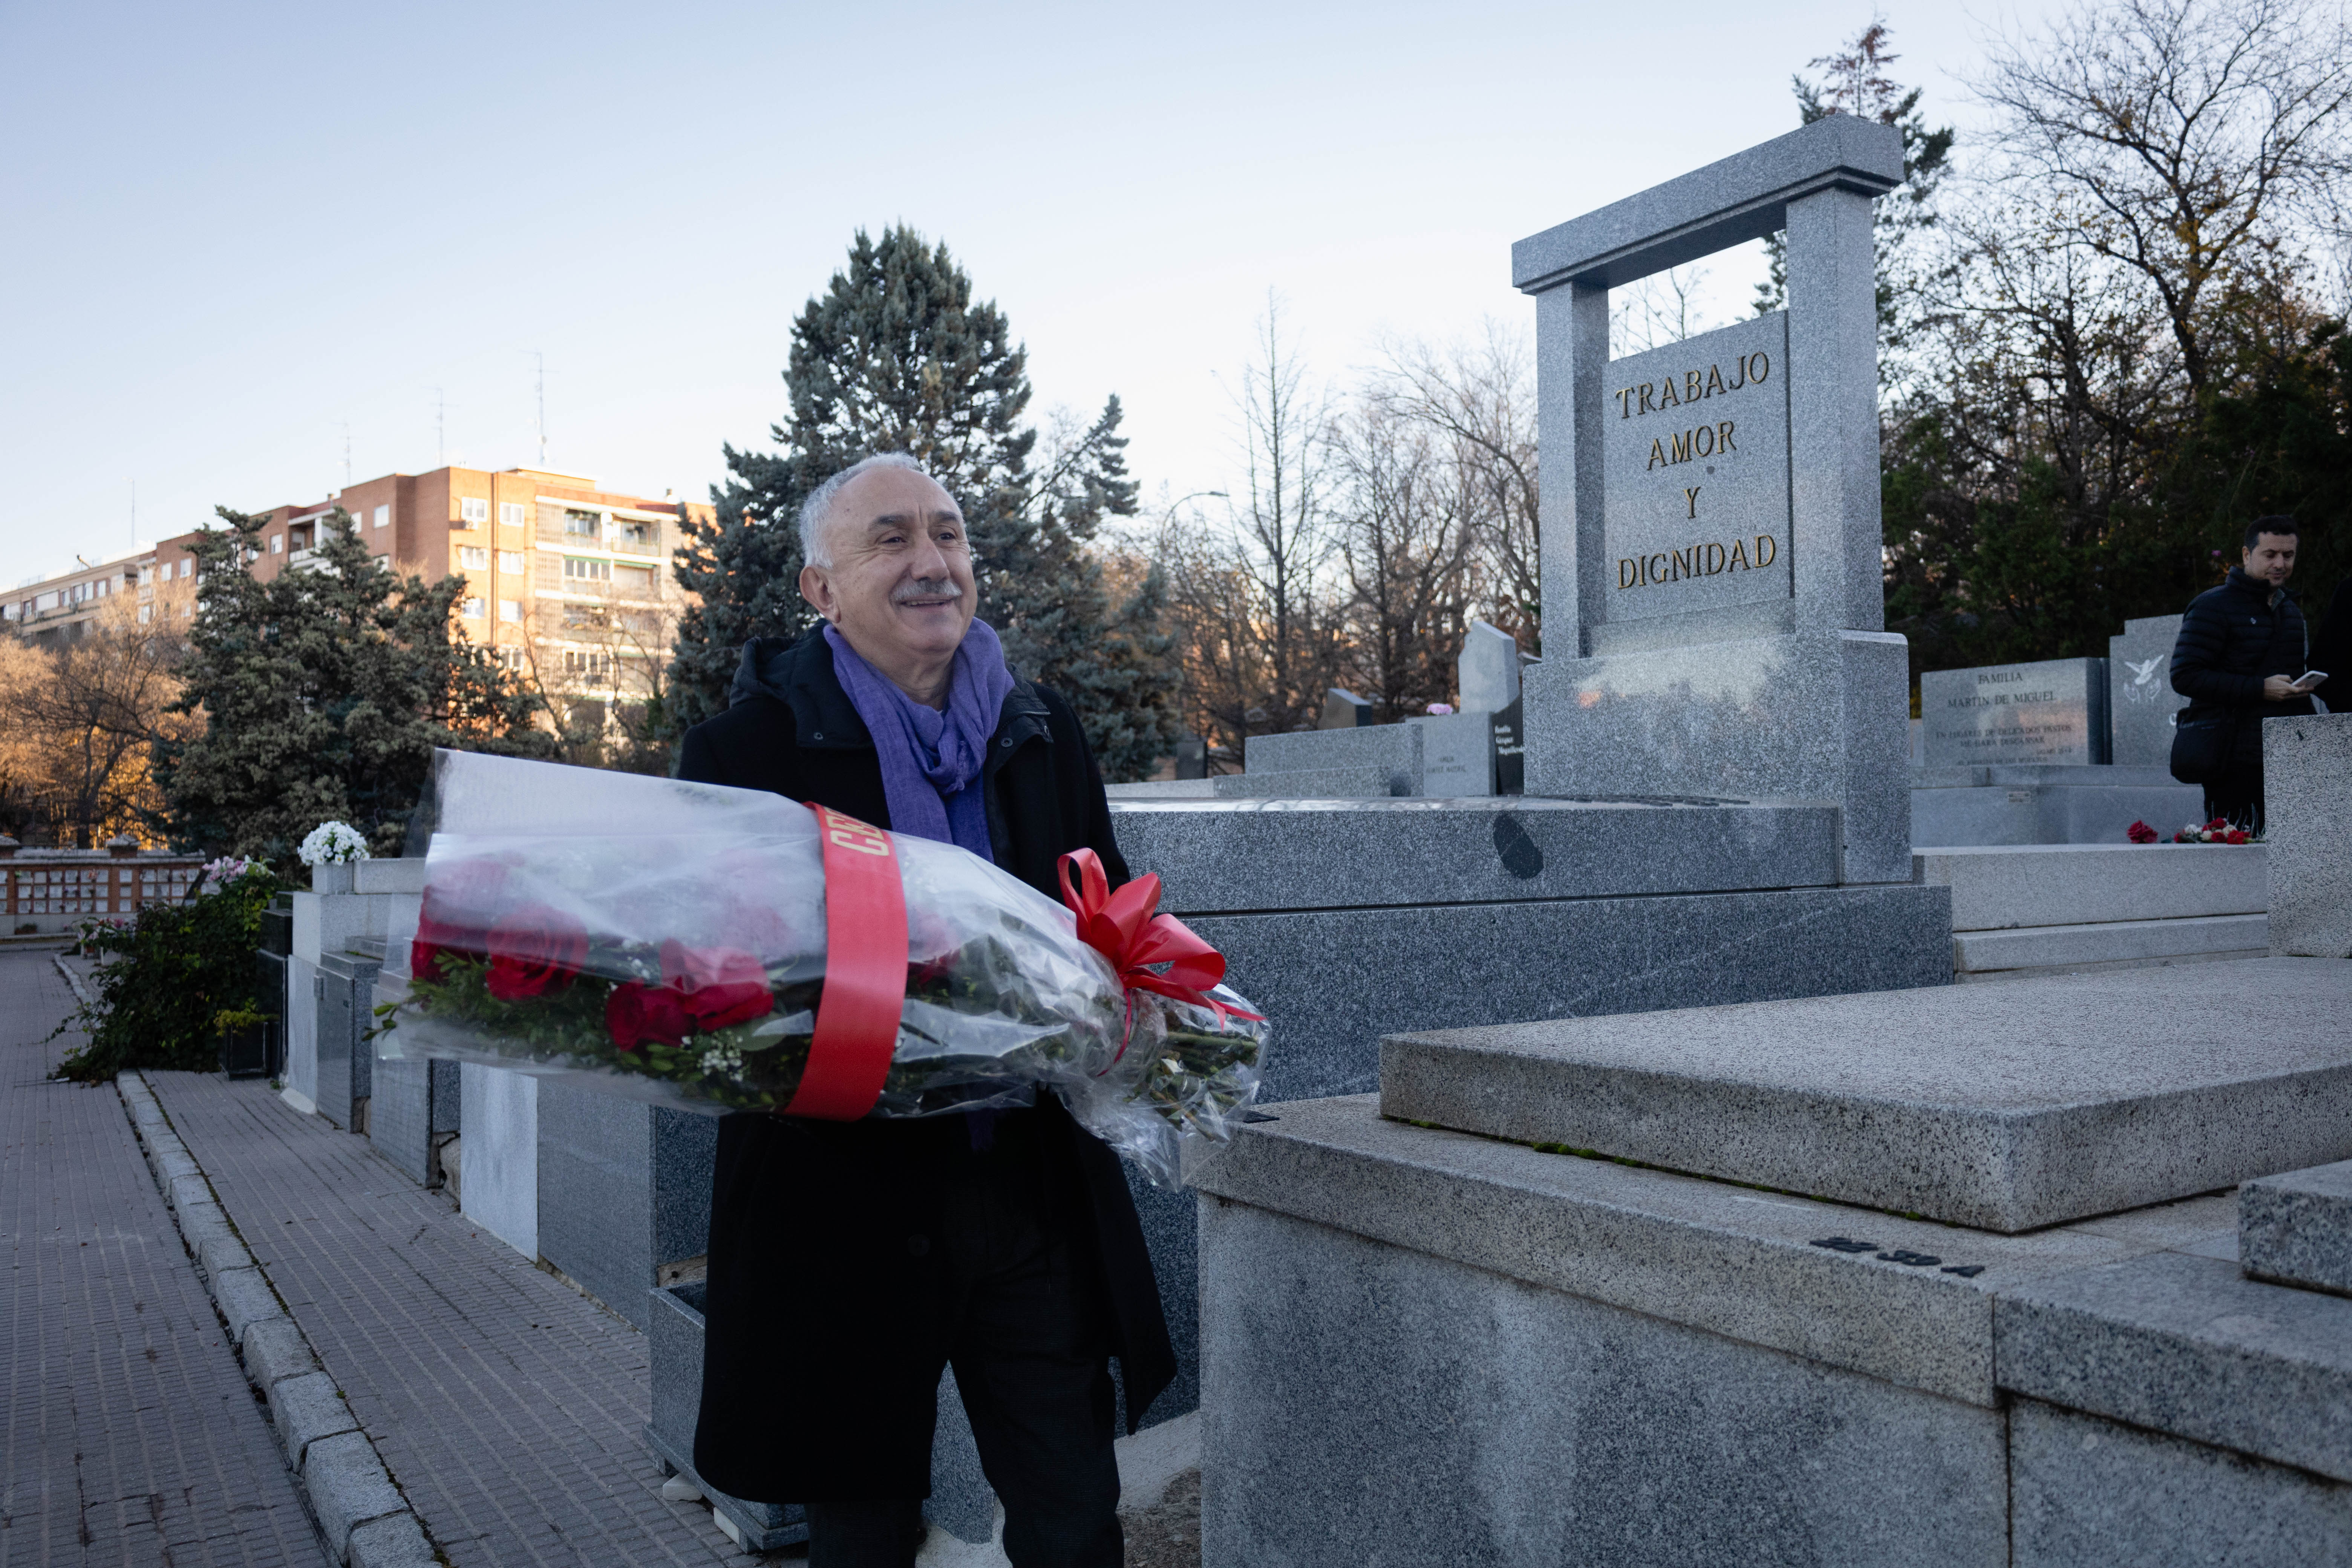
x=850, y=1262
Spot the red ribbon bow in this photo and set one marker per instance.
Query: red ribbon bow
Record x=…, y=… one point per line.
x=1122, y=927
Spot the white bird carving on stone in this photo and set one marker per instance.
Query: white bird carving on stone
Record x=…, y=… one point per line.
x=2142, y=671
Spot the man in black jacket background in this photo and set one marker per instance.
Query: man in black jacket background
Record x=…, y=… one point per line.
x=2240, y=654
x=849, y=1261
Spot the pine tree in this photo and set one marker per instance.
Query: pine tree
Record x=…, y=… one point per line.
x=324, y=691
x=896, y=356
x=1855, y=82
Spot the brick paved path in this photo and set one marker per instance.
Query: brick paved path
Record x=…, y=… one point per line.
x=506, y=1404
x=128, y=1432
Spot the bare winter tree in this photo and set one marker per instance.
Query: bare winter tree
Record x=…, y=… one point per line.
x=2183, y=143
x=81, y=719
x=1480, y=398
x=1410, y=549
x=1254, y=596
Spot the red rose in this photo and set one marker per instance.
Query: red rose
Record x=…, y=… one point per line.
x=720, y=985
x=2140, y=833
x=533, y=948
x=636, y=1012
x=460, y=902
x=2236, y=836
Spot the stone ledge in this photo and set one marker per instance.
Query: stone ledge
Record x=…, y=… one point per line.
x=2006, y=1107
x=2296, y=1228
x=2114, y=942
x=2000, y=886
x=1245, y=855
x=244, y=1299
x=2188, y=1347
x=1709, y=1254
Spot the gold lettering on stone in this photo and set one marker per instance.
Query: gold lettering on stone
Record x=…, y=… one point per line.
x=1768, y=550
x=1708, y=558
x=1759, y=365
x=1738, y=556
x=1693, y=388
x=1714, y=552
x=1681, y=449
x=1722, y=437
x=1690, y=494
x=1657, y=457
x=1736, y=386
x=1666, y=397
x=1714, y=381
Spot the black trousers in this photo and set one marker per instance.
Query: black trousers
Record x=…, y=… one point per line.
x=1030, y=1347
x=2237, y=797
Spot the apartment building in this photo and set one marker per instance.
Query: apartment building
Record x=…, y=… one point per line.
x=59, y=609
x=565, y=582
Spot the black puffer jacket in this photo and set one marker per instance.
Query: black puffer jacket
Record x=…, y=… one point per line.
x=825, y=1320
x=2231, y=637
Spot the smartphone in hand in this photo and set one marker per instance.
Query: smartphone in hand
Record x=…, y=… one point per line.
x=2307, y=680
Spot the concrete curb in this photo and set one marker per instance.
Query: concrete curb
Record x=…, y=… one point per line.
x=80, y=990
x=359, y=1507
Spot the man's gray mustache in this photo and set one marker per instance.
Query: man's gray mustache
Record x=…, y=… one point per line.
x=918, y=589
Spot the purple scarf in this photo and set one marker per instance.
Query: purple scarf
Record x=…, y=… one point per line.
x=932, y=760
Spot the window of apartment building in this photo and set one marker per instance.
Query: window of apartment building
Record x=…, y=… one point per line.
x=510, y=610
x=635, y=579
x=471, y=609
x=474, y=557
x=510, y=513
x=473, y=510
x=187, y=565
x=583, y=525
x=510, y=561
x=507, y=657
x=277, y=544
x=575, y=662
x=633, y=535
x=384, y=517
x=145, y=611
x=586, y=617
x=584, y=570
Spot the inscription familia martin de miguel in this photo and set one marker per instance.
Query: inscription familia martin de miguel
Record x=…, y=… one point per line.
x=1695, y=472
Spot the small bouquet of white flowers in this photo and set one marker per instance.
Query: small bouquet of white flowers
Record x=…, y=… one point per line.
x=334, y=844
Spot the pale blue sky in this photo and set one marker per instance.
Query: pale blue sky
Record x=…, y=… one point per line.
x=234, y=231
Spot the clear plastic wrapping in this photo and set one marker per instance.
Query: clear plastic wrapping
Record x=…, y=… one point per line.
x=667, y=941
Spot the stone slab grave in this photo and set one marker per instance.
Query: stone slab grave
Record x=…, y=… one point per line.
x=1881, y=1279
x=2040, y=908
x=2141, y=703
x=2307, y=804
x=2024, y=753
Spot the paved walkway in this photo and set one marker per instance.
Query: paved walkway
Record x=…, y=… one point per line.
x=506, y=1406
x=128, y=1432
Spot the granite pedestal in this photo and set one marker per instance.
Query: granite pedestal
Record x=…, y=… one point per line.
x=1537, y=1345
x=2307, y=804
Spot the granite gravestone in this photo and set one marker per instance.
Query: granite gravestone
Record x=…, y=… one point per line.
x=1344, y=710
x=1488, y=675
x=2050, y=711
x=2141, y=703
x=1721, y=633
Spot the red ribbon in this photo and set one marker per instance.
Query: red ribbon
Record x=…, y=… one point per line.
x=865, y=972
x=1122, y=927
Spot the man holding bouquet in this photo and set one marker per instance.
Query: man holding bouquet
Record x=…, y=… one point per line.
x=851, y=1262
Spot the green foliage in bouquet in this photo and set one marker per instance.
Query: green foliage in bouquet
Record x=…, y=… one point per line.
x=169, y=978
x=719, y=1027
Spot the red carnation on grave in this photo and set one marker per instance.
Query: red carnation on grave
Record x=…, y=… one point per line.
x=636, y=1012
x=718, y=986
x=532, y=949
x=2140, y=833
x=2236, y=836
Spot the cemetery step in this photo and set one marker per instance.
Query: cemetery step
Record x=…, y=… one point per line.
x=2106, y=944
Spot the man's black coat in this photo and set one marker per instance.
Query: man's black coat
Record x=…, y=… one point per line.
x=2231, y=637
x=825, y=1330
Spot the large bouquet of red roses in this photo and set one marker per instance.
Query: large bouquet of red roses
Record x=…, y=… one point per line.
x=731, y=950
